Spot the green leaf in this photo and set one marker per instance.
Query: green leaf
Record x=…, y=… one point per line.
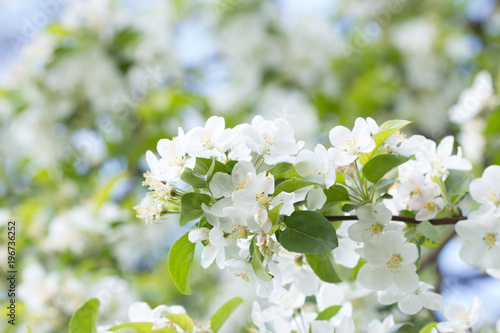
x=191, y=207
x=215, y=167
x=259, y=269
x=348, y=207
x=384, y=185
x=493, y=122
x=184, y=321
x=278, y=234
x=273, y=214
x=220, y=317
x=257, y=265
x=429, y=243
x=280, y=168
x=378, y=166
x=458, y=182
x=140, y=328
x=324, y=266
x=189, y=177
x=328, y=313
x=428, y=328
x=291, y=185
x=230, y=165
x=180, y=263
x=498, y=81
x=202, y=165
x=292, y=173
x=335, y=194
x=385, y=131
x=340, y=178
x=308, y=232
x=84, y=320
x=428, y=230
x=407, y=213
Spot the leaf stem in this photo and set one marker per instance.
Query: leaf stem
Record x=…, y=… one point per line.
x=355, y=191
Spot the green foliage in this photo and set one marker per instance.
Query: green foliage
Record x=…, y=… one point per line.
x=208, y=167
x=348, y=207
x=273, y=214
x=308, y=232
x=220, y=317
x=180, y=263
x=458, y=182
x=324, y=266
x=384, y=185
x=378, y=166
x=189, y=177
x=257, y=265
x=202, y=165
x=280, y=168
x=84, y=320
x=215, y=167
x=140, y=328
x=334, y=195
x=428, y=230
x=184, y=321
x=385, y=131
x=328, y=313
x=191, y=206
x=292, y=185
x=428, y=328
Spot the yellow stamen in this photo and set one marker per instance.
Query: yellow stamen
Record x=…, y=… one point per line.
x=489, y=240
x=395, y=263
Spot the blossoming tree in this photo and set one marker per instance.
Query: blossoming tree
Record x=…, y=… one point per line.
x=313, y=231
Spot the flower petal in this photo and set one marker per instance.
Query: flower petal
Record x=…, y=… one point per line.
x=407, y=278
x=410, y=304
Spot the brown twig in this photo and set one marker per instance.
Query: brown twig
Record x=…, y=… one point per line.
x=443, y=221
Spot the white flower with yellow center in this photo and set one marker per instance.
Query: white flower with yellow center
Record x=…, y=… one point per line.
x=208, y=141
x=412, y=303
x=410, y=179
x=273, y=139
x=373, y=221
x=389, y=261
x=385, y=326
x=348, y=145
x=481, y=236
x=426, y=202
x=223, y=185
x=173, y=158
x=316, y=163
x=149, y=209
x=214, y=248
x=459, y=319
x=441, y=159
x=140, y=312
x=255, y=198
x=486, y=190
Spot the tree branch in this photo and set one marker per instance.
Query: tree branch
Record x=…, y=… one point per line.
x=443, y=221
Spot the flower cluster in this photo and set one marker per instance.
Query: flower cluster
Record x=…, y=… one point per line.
x=263, y=207
x=481, y=231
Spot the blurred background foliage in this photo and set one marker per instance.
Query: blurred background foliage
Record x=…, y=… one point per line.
x=84, y=96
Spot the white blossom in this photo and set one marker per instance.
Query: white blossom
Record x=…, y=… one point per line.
x=481, y=236
x=350, y=144
x=486, y=190
x=389, y=260
x=459, y=319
